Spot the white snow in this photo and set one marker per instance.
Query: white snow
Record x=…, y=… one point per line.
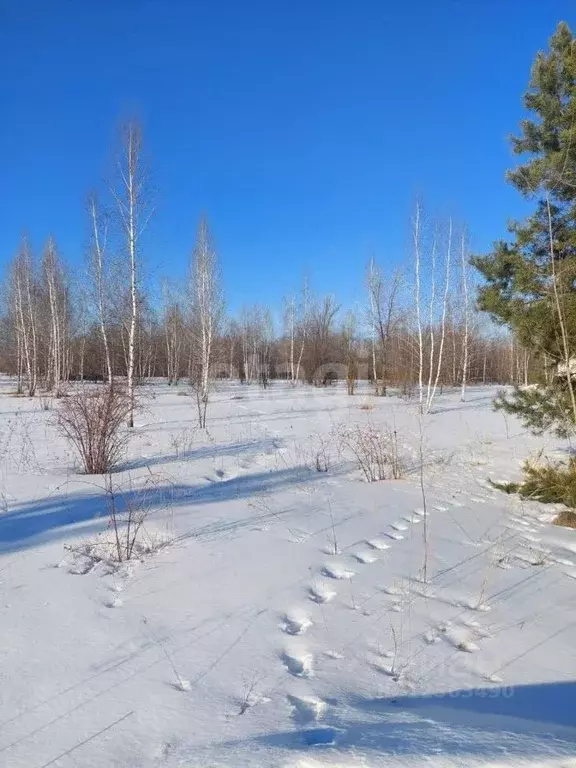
x=396, y=651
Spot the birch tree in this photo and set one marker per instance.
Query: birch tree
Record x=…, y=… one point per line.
x=302, y=329
x=437, y=355
x=207, y=308
x=290, y=324
x=437, y=299
x=100, y=275
x=417, y=243
x=295, y=322
x=58, y=315
x=465, y=268
x=25, y=306
x=173, y=322
x=134, y=212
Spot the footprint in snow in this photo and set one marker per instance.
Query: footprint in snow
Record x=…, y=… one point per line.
x=399, y=526
x=307, y=708
x=472, y=624
x=470, y=604
x=386, y=669
x=321, y=594
x=331, y=550
x=394, y=536
x=337, y=572
x=299, y=665
x=182, y=685
x=377, y=544
x=365, y=557
x=431, y=637
x=458, y=639
x=393, y=590
x=296, y=623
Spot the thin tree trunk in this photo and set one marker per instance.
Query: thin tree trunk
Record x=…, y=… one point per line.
x=431, y=332
x=98, y=267
x=417, y=257
x=443, y=321
x=32, y=384
x=135, y=215
x=133, y=301
x=466, y=319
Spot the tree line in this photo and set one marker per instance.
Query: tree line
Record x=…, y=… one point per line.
x=417, y=328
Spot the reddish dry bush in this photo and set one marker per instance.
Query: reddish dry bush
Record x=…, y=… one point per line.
x=94, y=422
x=375, y=449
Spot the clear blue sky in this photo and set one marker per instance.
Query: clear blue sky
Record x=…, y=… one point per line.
x=304, y=128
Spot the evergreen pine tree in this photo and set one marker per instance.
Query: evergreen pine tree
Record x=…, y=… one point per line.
x=530, y=280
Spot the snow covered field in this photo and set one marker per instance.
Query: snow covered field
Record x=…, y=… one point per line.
x=289, y=623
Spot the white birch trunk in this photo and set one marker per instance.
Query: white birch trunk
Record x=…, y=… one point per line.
x=465, y=342
x=443, y=320
x=99, y=271
x=418, y=291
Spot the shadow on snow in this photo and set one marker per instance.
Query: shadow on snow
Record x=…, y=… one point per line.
x=52, y=518
x=248, y=448
x=526, y=721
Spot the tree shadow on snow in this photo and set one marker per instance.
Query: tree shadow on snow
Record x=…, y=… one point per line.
x=57, y=516
x=523, y=721
x=245, y=448
x=550, y=703
x=467, y=405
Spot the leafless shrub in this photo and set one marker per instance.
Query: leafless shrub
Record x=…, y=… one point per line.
x=17, y=445
x=127, y=536
x=407, y=391
x=125, y=525
x=249, y=696
x=182, y=441
x=322, y=460
x=93, y=421
x=319, y=457
x=376, y=451
x=126, y=520
x=45, y=403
